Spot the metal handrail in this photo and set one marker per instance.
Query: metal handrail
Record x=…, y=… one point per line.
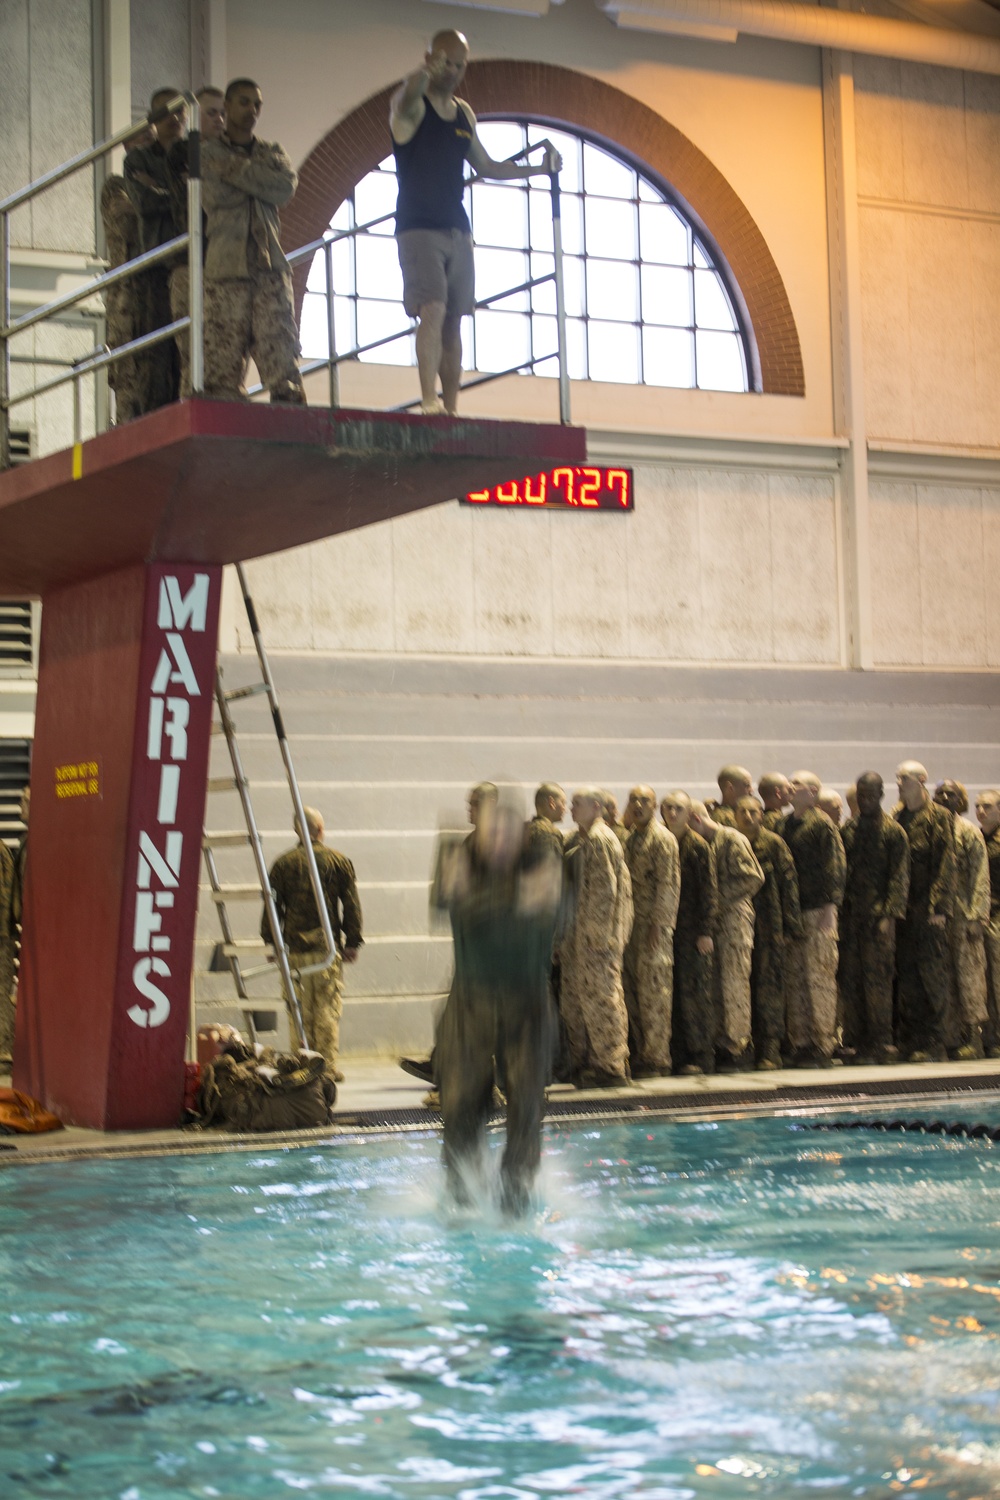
x=334, y=360
x=293, y=786
x=193, y=323
x=191, y=240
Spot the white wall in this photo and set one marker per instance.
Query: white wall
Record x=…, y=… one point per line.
x=46, y=116
x=755, y=109
x=929, y=188
x=708, y=568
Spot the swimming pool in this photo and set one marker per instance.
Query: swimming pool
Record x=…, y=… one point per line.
x=716, y=1310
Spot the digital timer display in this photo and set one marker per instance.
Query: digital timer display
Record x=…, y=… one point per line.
x=563, y=489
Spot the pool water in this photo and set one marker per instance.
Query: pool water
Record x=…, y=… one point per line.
x=720, y=1310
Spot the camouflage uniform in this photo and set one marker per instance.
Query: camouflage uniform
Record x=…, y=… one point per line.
x=966, y=932
x=321, y=993
x=773, y=820
x=653, y=861
x=923, y=959
x=811, y=961
x=739, y=879
x=249, y=311
x=7, y=883
x=697, y=913
x=540, y=835
x=158, y=195
x=498, y=1020
x=141, y=382
x=723, y=815
x=777, y=917
x=593, y=1003
x=878, y=879
x=991, y=1031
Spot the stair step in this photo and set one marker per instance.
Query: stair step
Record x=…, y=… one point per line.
x=214, y=839
x=222, y=783
x=235, y=893
x=243, y=945
x=250, y=691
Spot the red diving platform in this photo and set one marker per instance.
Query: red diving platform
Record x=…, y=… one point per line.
x=124, y=538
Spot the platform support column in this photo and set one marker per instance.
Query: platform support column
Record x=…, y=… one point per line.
x=118, y=786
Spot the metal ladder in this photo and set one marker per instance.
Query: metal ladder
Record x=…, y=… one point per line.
x=223, y=893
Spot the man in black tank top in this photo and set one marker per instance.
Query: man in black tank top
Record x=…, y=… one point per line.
x=433, y=136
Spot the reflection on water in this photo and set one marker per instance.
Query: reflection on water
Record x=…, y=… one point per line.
x=700, y=1311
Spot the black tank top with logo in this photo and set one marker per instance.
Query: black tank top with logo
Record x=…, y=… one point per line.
x=431, y=171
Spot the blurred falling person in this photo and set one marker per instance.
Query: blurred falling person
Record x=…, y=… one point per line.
x=503, y=898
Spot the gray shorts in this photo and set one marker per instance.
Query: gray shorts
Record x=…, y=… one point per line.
x=437, y=266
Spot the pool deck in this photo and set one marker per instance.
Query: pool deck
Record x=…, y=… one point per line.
x=377, y=1097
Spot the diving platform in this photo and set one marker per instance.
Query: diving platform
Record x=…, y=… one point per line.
x=124, y=538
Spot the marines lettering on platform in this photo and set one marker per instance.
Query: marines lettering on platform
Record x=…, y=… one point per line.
x=158, y=850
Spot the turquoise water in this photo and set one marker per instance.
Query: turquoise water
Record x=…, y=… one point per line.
x=726, y=1310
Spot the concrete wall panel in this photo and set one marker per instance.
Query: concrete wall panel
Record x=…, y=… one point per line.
x=952, y=583
x=62, y=121
x=804, y=568
x=982, y=137
x=897, y=627
x=886, y=323
x=513, y=583
x=434, y=585
x=735, y=556
x=352, y=591
x=665, y=605
x=161, y=49
x=934, y=110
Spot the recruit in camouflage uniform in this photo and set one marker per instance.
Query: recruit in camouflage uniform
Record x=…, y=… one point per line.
x=734, y=782
x=967, y=927
x=923, y=958
x=593, y=1003
x=693, y=1038
x=811, y=961
x=8, y=876
x=248, y=288
x=777, y=918
x=128, y=309
x=878, y=879
x=775, y=791
x=648, y=969
x=739, y=878
x=157, y=193
x=320, y=993
x=988, y=813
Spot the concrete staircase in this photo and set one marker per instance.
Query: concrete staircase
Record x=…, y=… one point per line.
x=387, y=749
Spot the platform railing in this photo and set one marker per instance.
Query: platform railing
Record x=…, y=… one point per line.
x=98, y=359
x=193, y=323
x=334, y=358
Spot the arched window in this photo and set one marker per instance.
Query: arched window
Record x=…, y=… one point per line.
x=646, y=303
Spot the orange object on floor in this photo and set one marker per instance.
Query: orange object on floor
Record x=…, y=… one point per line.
x=25, y=1116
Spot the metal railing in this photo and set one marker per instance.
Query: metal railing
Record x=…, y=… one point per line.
x=99, y=359
x=193, y=323
x=334, y=360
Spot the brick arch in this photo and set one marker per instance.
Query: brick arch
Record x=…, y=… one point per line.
x=562, y=97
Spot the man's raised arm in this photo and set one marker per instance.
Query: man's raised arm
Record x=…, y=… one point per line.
x=484, y=165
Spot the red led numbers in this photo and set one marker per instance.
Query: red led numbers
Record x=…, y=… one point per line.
x=563, y=489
